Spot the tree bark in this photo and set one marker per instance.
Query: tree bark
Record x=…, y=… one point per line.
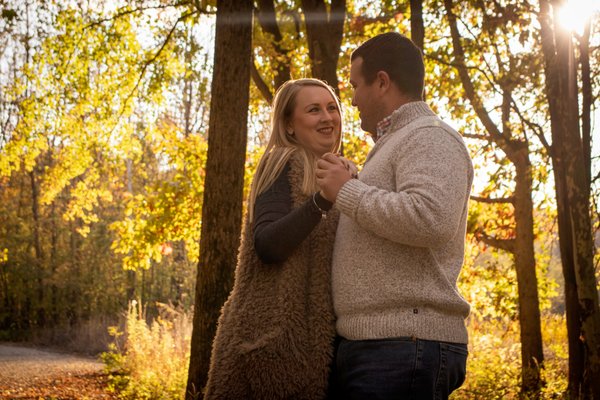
x=532, y=355
x=565, y=232
x=586, y=100
x=324, y=33
x=223, y=190
x=572, y=194
x=417, y=27
x=268, y=21
x=188, y=85
x=40, y=317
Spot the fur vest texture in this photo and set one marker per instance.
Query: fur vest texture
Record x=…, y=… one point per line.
x=275, y=334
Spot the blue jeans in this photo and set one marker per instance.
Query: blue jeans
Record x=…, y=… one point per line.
x=402, y=368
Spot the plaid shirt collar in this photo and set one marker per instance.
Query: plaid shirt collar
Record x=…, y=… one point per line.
x=383, y=126
x=401, y=117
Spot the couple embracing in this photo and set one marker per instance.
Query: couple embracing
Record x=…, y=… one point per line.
x=345, y=286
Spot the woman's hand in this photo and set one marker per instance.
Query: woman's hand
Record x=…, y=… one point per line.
x=332, y=172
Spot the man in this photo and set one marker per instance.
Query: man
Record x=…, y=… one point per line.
x=400, y=241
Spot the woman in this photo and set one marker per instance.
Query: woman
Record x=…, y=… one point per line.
x=275, y=334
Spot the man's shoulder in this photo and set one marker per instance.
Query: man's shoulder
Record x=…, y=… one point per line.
x=427, y=128
x=437, y=131
x=432, y=136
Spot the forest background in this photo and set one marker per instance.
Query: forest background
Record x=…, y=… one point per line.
x=115, y=116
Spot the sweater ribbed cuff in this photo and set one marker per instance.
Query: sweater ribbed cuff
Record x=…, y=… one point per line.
x=348, y=198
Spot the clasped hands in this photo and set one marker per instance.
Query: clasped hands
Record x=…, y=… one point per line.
x=333, y=171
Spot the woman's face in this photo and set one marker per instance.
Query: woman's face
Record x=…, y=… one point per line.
x=315, y=120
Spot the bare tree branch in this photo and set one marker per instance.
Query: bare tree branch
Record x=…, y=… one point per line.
x=597, y=177
x=478, y=137
x=260, y=83
x=488, y=200
x=267, y=18
x=150, y=62
x=468, y=67
x=536, y=128
x=503, y=244
x=510, y=147
x=127, y=12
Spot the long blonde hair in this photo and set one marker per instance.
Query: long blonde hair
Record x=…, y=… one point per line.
x=281, y=146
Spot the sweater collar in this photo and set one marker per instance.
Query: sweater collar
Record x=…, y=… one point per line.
x=403, y=116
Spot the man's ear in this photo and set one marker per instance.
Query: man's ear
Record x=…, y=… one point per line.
x=383, y=80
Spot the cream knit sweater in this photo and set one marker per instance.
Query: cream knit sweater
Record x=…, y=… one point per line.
x=399, y=246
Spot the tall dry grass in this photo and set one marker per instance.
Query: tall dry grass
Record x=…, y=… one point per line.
x=494, y=363
x=149, y=360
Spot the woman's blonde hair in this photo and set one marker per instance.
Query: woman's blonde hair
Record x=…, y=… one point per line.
x=281, y=146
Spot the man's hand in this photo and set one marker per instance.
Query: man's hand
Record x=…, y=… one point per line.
x=332, y=174
x=350, y=166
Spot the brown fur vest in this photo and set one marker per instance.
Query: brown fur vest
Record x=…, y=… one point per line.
x=275, y=335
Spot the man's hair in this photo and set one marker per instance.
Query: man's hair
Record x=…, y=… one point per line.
x=396, y=55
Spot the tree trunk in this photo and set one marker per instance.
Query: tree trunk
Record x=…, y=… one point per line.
x=223, y=190
x=532, y=354
x=587, y=100
x=324, y=33
x=188, y=85
x=267, y=18
x=517, y=151
x=569, y=162
x=583, y=254
x=573, y=312
x=565, y=232
x=40, y=317
x=417, y=27
x=54, y=292
x=268, y=21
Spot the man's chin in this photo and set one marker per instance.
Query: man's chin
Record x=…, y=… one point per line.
x=370, y=132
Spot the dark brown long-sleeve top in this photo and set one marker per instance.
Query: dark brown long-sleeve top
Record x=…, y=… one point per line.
x=278, y=229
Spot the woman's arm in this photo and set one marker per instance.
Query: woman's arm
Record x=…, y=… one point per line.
x=278, y=229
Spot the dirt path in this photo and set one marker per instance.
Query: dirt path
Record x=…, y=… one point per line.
x=29, y=373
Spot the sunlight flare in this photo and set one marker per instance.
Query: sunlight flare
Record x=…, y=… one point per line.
x=574, y=14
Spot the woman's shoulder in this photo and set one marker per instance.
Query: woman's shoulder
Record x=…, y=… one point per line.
x=281, y=184
x=284, y=178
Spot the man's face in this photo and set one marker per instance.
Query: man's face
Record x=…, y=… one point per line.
x=365, y=98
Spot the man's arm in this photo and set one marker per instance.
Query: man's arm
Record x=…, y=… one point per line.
x=433, y=174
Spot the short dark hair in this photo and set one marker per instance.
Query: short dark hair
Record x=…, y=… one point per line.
x=398, y=56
